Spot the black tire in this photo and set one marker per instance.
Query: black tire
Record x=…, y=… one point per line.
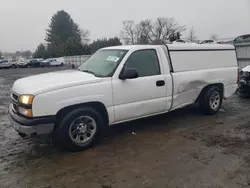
x=206, y=99
x=61, y=135
x=13, y=66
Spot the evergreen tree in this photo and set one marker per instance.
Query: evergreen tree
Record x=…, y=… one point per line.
x=40, y=52
x=102, y=43
x=63, y=37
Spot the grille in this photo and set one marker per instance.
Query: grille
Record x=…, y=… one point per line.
x=15, y=107
x=14, y=98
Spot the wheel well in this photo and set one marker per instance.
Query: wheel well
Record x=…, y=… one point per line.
x=98, y=106
x=220, y=85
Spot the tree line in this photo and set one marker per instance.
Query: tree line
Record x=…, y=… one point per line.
x=24, y=54
x=148, y=31
x=64, y=37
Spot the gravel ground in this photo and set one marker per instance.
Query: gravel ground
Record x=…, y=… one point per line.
x=181, y=149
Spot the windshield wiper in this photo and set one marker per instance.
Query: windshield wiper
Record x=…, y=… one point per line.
x=88, y=71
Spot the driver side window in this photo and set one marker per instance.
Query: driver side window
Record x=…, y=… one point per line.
x=145, y=62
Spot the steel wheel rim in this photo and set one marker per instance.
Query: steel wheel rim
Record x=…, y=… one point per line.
x=82, y=129
x=215, y=100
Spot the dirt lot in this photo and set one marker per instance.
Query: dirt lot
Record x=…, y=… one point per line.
x=180, y=149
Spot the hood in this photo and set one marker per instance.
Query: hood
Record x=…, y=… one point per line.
x=52, y=81
x=246, y=69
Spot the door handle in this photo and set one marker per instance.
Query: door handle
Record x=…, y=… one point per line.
x=160, y=83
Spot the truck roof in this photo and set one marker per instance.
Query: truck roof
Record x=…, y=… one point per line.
x=176, y=47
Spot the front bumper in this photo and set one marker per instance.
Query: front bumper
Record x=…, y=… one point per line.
x=31, y=126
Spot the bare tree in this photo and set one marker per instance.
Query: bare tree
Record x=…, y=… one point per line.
x=147, y=31
x=191, y=35
x=214, y=37
x=165, y=27
x=144, y=29
x=129, y=32
x=85, y=36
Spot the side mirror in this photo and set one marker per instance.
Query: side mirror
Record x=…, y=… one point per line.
x=128, y=73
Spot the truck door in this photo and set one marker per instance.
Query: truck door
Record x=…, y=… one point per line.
x=142, y=96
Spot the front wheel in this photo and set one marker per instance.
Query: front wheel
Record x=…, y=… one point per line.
x=78, y=129
x=210, y=100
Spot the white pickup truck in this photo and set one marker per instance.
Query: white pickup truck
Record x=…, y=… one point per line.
x=119, y=84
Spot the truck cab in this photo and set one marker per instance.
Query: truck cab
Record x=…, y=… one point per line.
x=119, y=84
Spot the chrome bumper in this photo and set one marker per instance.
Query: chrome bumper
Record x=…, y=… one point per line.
x=30, y=127
x=31, y=130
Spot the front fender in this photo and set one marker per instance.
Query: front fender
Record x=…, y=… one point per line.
x=49, y=103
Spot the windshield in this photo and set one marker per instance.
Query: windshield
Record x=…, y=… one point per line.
x=103, y=63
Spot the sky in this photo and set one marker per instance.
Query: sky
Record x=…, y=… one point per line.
x=23, y=23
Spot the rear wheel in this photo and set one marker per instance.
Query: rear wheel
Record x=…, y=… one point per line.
x=13, y=66
x=210, y=100
x=78, y=129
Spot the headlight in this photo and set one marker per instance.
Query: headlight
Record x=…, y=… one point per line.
x=26, y=99
x=25, y=112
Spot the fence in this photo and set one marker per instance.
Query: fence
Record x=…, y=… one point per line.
x=75, y=60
